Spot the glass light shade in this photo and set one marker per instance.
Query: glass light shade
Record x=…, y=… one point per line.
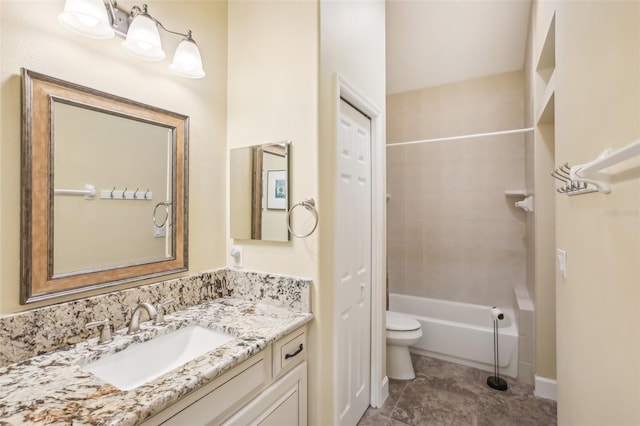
x=86, y=17
x=143, y=39
x=187, y=61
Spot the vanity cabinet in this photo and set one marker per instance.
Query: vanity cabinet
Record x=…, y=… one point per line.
x=282, y=404
x=270, y=388
x=285, y=402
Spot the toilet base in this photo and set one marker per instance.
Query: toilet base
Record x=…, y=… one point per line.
x=399, y=365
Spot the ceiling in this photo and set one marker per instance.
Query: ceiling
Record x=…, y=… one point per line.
x=434, y=42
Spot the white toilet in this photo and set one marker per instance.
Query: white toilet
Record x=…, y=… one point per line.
x=402, y=332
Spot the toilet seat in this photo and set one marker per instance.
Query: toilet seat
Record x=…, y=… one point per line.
x=399, y=322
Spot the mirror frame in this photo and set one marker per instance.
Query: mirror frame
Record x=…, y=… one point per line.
x=38, y=282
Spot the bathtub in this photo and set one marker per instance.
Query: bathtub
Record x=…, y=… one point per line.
x=461, y=332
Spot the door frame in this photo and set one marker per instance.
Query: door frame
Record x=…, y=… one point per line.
x=345, y=90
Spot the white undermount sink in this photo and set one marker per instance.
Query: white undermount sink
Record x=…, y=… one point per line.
x=143, y=362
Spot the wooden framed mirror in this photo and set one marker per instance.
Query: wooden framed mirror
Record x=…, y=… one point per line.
x=104, y=184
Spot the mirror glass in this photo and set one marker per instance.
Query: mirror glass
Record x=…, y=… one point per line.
x=259, y=192
x=103, y=189
x=135, y=161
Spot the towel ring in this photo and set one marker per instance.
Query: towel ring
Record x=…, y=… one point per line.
x=310, y=205
x=166, y=205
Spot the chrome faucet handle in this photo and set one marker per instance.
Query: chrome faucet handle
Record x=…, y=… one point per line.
x=105, y=330
x=160, y=311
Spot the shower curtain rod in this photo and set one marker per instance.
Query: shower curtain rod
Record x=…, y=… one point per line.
x=456, y=138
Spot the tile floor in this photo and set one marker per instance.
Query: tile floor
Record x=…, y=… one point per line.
x=449, y=394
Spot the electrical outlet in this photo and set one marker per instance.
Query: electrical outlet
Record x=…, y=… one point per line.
x=159, y=232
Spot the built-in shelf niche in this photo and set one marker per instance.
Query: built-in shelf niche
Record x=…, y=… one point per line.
x=548, y=110
x=547, y=59
x=545, y=68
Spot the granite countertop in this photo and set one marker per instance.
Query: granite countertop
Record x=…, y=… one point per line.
x=54, y=389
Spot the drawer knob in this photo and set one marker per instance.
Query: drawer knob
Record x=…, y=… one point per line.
x=292, y=354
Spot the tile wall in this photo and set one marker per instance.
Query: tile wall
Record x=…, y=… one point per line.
x=452, y=233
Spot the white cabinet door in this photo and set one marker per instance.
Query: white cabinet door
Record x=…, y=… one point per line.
x=282, y=404
x=285, y=413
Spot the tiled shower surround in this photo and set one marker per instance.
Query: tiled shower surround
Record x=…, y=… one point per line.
x=452, y=233
x=30, y=333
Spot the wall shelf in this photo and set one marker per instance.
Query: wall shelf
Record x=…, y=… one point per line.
x=515, y=193
x=546, y=109
x=548, y=112
x=547, y=58
x=545, y=68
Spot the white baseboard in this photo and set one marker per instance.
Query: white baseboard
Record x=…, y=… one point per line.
x=546, y=388
x=384, y=391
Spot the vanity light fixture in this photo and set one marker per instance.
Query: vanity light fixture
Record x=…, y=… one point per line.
x=96, y=19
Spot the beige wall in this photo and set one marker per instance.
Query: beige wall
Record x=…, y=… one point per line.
x=279, y=73
x=541, y=224
x=240, y=192
x=31, y=37
x=352, y=44
x=273, y=96
x=598, y=305
x=452, y=232
x=273, y=68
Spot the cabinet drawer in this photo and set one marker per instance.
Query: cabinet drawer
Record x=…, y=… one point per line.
x=289, y=352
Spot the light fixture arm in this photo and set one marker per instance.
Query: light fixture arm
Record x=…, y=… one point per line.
x=187, y=35
x=135, y=11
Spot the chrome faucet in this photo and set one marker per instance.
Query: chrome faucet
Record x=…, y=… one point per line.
x=134, y=324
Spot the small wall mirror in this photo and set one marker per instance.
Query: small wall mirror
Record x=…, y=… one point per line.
x=259, y=193
x=104, y=183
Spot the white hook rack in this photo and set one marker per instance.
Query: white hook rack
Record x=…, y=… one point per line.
x=594, y=175
x=126, y=194
x=598, y=182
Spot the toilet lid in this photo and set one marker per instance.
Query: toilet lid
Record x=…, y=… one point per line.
x=401, y=322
